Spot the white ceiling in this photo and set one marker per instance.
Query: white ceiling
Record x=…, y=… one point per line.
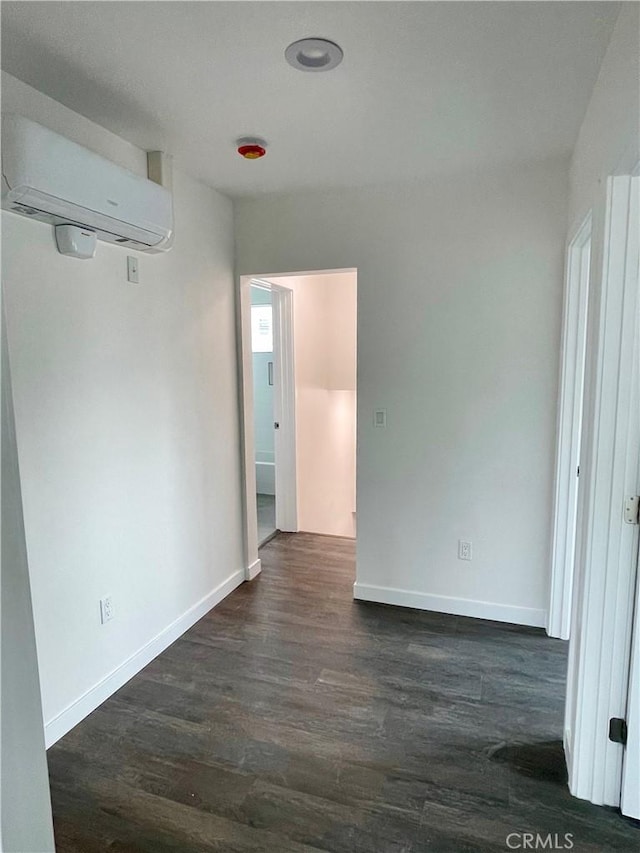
x=425, y=88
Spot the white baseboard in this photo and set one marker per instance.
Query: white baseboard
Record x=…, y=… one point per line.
x=55, y=728
x=253, y=570
x=455, y=606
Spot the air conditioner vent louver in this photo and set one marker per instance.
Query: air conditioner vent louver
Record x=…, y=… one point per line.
x=28, y=211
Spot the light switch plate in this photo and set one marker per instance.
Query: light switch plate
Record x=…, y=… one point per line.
x=380, y=418
x=132, y=269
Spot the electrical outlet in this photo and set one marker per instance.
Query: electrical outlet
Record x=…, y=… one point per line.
x=464, y=549
x=106, y=609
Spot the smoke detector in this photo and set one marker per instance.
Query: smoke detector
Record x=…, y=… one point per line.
x=251, y=149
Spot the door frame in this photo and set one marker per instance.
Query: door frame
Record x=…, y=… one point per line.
x=606, y=549
x=572, y=366
x=284, y=414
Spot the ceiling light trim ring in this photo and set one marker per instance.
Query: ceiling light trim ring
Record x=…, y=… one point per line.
x=314, y=54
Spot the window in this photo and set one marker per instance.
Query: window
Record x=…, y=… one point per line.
x=261, y=328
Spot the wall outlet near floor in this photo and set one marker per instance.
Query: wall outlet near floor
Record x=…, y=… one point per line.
x=464, y=549
x=106, y=609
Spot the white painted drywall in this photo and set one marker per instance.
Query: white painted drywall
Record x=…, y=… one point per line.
x=18, y=97
x=425, y=88
x=459, y=304
x=324, y=321
x=25, y=805
x=611, y=127
x=127, y=428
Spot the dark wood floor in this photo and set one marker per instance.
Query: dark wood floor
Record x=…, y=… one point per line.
x=292, y=718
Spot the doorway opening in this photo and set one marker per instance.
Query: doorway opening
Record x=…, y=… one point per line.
x=570, y=413
x=298, y=374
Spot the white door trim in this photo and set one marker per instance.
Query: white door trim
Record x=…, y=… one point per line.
x=287, y=377
x=600, y=647
x=572, y=362
x=252, y=564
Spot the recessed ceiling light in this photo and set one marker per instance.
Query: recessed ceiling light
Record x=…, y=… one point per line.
x=313, y=55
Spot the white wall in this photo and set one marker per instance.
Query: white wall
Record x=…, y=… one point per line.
x=25, y=806
x=459, y=303
x=324, y=320
x=611, y=127
x=127, y=428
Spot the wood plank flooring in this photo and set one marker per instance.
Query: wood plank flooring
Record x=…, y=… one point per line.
x=292, y=718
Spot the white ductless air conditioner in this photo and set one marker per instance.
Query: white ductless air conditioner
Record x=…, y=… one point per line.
x=47, y=177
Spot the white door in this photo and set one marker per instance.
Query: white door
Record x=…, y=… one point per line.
x=574, y=340
x=284, y=409
x=630, y=799
x=630, y=796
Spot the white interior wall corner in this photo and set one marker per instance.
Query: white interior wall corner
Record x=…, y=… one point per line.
x=127, y=394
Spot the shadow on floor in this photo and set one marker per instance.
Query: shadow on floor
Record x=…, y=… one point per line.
x=543, y=761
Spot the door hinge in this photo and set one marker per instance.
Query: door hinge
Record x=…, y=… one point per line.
x=578, y=471
x=618, y=730
x=632, y=509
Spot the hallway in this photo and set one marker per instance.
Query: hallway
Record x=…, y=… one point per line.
x=292, y=718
